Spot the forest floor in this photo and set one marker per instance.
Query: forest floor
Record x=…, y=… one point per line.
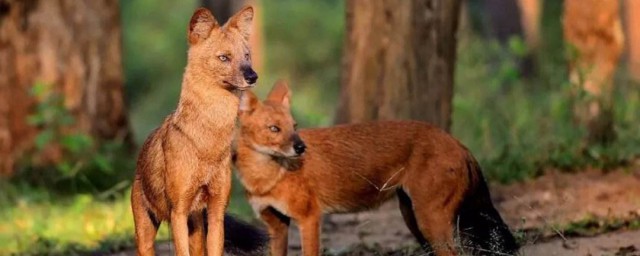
x=585, y=213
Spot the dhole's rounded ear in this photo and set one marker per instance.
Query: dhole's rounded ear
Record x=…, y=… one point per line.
x=248, y=102
x=201, y=24
x=242, y=21
x=280, y=93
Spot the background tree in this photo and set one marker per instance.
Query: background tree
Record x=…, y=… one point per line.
x=530, y=19
x=593, y=31
x=514, y=18
x=632, y=20
x=72, y=49
x=399, y=61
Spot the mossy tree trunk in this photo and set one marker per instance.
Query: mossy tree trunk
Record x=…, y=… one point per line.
x=73, y=49
x=399, y=61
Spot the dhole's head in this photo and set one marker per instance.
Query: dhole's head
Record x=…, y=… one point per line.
x=221, y=53
x=268, y=126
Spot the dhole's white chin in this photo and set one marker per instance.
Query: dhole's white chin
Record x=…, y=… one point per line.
x=245, y=87
x=241, y=87
x=291, y=154
x=271, y=152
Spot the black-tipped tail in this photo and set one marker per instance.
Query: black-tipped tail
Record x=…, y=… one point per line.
x=481, y=226
x=241, y=238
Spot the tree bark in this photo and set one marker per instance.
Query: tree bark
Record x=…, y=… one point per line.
x=530, y=19
x=72, y=46
x=508, y=18
x=399, y=61
x=632, y=8
x=504, y=19
x=222, y=9
x=592, y=28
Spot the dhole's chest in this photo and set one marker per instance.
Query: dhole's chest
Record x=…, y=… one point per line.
x=259, y=203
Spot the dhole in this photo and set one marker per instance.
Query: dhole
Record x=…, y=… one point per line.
x=348, y=168
x=183, y=172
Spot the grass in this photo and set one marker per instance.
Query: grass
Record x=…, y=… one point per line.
x=35, y=221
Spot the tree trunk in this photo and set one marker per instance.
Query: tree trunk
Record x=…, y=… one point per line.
x=592, y=28
x=224, y=9
x=632, y=8
x=509, y=18
x=504, y=19
x=74, y=48
x=530, y=19
x=399, y=61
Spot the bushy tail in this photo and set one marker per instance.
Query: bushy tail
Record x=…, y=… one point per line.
x=241, y=238
x=481, y=228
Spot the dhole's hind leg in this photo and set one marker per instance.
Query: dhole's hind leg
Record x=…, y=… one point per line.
x=197, y=233
x=437, y=227
x=146, y=224
x=406, y=208
x=434, y=210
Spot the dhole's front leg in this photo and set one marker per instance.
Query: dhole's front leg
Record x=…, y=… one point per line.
x=180, y=229
x=219, y=190
x=181, y=187
x=310, y=233
x=278, y=226
x=197, y=233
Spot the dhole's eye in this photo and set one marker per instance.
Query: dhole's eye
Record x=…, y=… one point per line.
x=223, y=58
x=247, y=56
x=295, y=126
x=274, y=128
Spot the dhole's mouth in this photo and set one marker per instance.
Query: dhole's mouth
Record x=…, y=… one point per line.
x=275, y=153
x=242, y=88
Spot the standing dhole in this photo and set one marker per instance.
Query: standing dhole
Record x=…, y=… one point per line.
x=347, y=168
x=183, y=173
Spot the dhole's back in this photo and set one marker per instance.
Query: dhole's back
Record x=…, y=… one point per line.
x=377, y=155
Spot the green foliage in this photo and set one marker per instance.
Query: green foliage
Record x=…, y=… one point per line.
x=84, y=163
x=519, y=127
x=303, y=43
x=155, y=46
x=34, y=221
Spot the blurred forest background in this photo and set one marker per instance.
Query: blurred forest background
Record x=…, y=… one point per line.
x=518, y=100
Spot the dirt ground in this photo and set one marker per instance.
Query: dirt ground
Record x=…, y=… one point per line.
x=540, y=207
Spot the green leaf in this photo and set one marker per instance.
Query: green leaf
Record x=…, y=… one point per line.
x=103, y=163
x=67, y=120
x=64, y=167
x=517, y=46
x=35, y=119
x=43, y=138
x=38, y=89
x=76, y=143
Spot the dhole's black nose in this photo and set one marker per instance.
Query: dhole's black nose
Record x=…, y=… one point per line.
x=249, y=75
x=299, y=147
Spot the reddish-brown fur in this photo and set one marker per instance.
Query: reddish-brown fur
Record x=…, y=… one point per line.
x=348, y=168
x=179, y=172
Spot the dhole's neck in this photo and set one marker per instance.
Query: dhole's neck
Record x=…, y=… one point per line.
x=198, y=82
x=258, y=172
x=204, y=94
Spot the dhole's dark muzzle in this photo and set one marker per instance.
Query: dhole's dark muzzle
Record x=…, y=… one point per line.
x=249, y=75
